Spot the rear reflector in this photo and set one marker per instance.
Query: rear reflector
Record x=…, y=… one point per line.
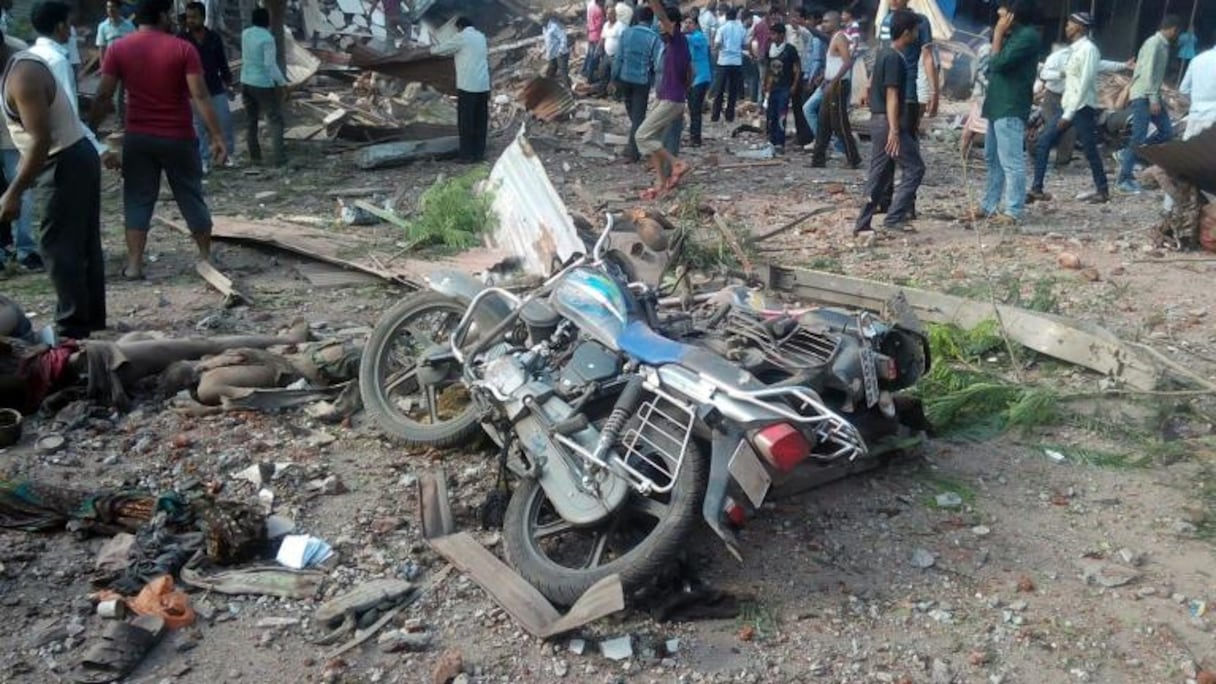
x=735, y=514
x=782, y=445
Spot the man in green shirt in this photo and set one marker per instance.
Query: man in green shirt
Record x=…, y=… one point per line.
x=1145, y=100
x=1011, y=73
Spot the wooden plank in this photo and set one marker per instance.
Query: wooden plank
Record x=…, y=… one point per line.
x=221, y=282
x=520, y=600
x=1055, y=336
x=398, y=153
x=319, y=274
x=333, y=246
x=356, y=192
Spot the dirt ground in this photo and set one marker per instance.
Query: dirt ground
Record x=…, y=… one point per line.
x=1096, y=566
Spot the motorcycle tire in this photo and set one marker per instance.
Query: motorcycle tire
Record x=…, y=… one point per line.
x=656, y=554
x=398, y=426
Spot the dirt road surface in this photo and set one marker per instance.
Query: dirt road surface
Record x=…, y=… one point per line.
x=1093, y=563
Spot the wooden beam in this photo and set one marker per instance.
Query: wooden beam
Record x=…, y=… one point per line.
x=1056, y=336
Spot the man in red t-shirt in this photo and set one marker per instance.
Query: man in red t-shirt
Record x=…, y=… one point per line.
x=162, y=74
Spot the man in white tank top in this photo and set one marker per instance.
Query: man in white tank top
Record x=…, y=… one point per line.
x=58, y=160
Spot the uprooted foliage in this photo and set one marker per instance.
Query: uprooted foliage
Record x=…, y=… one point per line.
x=968, y=395
x=964, y=400
x=453, y=214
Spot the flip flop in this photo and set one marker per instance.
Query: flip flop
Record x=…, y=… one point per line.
x=122, y=647
x=651, y=194
x=677, y=174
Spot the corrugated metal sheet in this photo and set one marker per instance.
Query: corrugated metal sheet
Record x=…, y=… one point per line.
x=532, y=219
x=547, y=99
x=1193, y=160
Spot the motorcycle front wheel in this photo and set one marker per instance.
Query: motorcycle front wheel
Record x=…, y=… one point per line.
x=640, y=541
x=427, y=409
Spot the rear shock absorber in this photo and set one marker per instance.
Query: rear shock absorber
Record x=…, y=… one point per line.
x=626, y=405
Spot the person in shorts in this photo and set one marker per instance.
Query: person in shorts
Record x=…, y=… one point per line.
x=162, y=75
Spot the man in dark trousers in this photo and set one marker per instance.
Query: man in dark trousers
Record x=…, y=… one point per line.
x=58, y=157
x=163, y=76
x=633, y=72
x=469, y=49
x=892, y=140
x=216, y=73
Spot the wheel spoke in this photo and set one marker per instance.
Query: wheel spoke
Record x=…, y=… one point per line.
x=550, y=529
x=398, y=378
x=647, y=506
x=432, y=404
x=597, y=551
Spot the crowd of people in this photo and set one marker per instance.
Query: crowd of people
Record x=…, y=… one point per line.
x=170, y=87
x=800, y=64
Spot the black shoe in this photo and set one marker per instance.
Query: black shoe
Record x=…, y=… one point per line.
x=32, y=263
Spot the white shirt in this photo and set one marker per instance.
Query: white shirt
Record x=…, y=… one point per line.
x=612, y=37
x=55, y=56
x=73, y=48
x=1080, y=78
x=470, y=51
x=1199, y=84
x=624, y=15
x=1052, y=71
x=708, y=23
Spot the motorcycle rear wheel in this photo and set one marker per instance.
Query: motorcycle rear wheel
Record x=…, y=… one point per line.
x=530, y=520
x=449, y=417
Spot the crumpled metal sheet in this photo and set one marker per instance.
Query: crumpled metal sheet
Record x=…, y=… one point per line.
x=1193, y=160
x=546, y=99
x=533, y=222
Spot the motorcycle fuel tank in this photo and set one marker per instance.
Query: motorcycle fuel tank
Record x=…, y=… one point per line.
x=594, y=302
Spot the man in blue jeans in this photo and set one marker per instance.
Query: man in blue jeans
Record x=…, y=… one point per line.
x=218, y=76
x=1080, y=105
x=1011, y=74
x=1145, y=99
x=782, y=73
x=633, y=72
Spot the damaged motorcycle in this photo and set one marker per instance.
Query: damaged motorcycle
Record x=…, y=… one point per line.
x=625, y=417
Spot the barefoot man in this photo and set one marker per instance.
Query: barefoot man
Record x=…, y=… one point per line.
x=672, y=95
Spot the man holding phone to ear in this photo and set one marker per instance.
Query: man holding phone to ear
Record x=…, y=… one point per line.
x=1011, y=74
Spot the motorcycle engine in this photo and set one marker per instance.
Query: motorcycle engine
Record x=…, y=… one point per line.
x=590, y=363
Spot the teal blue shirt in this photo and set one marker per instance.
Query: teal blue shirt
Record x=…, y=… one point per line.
x=108, y=31
x=259, y=63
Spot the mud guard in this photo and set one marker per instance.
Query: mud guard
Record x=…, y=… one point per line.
x=722, y=447
x=459, y=285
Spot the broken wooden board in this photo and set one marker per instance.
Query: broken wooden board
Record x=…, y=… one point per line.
x=333, y=247
x=527, y=606
x=398, y=153
x=327, y=275
x=1055, y=336
x=414, y=64
x=232, y=296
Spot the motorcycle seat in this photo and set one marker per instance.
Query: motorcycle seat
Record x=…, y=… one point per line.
x=649, y=347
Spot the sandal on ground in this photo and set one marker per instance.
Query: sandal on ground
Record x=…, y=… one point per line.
x=677, y=173
x=132, y=278
x=651, y=194
x=119, y=651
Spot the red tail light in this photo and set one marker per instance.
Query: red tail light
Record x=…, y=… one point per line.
x=886, y=367
x=783, y=446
